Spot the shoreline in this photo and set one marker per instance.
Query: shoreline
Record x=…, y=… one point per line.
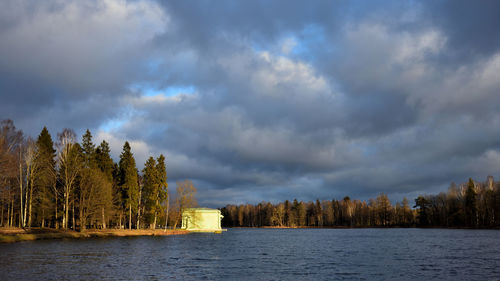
x=363, y=227
x=11, y=235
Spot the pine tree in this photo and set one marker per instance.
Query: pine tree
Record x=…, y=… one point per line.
x=104, y=161
x=150, y=190
x=111, y=196
x=161, y=171
x=46, y=192
x=96, y=198
x=470, y=204
x=384, y=208
x=423, y=213
x=128, y=181
x=88, y=150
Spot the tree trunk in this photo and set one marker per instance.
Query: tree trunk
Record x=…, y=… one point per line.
x=64, y=211
x=154, y=222
x=11, y=213
x=103, y=219
x=66, y=206
x=139, y=208
x=166, y=215
x=8, y=213
x=138, y=218
x=83, y=220
x=56, y=225
x=130, y=216
x=1, y=218
x=74, y=222
x=21, y=188
x=25, y=205
x=31, y=202
x=156, y=214
x=121, y=215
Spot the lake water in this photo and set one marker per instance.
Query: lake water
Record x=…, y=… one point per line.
x=263, y=254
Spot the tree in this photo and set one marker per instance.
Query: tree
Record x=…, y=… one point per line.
x=104, y=161
x=128, y=182
x=70, y=164
x=150, y=188
x=384, y=208
x=31, y=174
x=94, y=195
x=88, y=150
x=319, y=213
x=110, y=191
x=186, y=198
x=407, y=214
x=294, y=218
x=423, y=213
x=11, y=141
x=45, y=181
x=470, y=204
x=278, y=215
x=161, y=171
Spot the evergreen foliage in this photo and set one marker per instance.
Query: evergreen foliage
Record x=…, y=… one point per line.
x=129, y=182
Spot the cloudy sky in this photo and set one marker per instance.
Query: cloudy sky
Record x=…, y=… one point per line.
x=267, y=100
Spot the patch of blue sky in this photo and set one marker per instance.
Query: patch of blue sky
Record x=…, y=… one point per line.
x=310, y=39
x=112, y=124
x=153, y=65
x=367, y=150
x=301, y=45
x=148, y=90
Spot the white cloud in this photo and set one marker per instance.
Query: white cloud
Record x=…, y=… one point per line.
x=140, y=149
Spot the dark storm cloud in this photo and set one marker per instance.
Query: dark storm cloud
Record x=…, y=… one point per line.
x=472, y=28
x=284, y=99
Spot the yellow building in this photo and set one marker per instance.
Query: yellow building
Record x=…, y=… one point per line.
x=201, y=220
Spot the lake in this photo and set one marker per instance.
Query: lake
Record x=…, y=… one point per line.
x=263, y=254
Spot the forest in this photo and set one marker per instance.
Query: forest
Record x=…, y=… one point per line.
x=64, y=184
x=71, y=185
x=469, y=205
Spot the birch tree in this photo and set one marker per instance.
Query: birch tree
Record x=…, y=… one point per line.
x=31, y=174
x=69, y=164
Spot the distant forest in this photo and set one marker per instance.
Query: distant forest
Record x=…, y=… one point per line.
x=473, y=205
x=70, y=185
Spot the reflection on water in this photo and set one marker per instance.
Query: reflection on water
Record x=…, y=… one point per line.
x=264, y=254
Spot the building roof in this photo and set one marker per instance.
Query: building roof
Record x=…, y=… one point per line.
x=201, y=210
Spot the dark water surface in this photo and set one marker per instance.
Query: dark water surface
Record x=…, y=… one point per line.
x=263, y=254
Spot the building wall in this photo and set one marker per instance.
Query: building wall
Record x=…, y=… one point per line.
x=201, y=219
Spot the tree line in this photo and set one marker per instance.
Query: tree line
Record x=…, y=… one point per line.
x=71, y=185
x=474, y=204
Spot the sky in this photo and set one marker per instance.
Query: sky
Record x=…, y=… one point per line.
x=266, y=100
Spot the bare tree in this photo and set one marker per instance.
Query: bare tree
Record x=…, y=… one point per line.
x=186, y=193
x=69, y=167
x=278, y=215
x=11, y=141
x=31, y=173
x=94, y=195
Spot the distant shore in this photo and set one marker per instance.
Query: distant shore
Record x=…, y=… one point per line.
x=14, y=234
x=360, y=227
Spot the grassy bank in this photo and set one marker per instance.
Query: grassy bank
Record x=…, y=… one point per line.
x=8, y=235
